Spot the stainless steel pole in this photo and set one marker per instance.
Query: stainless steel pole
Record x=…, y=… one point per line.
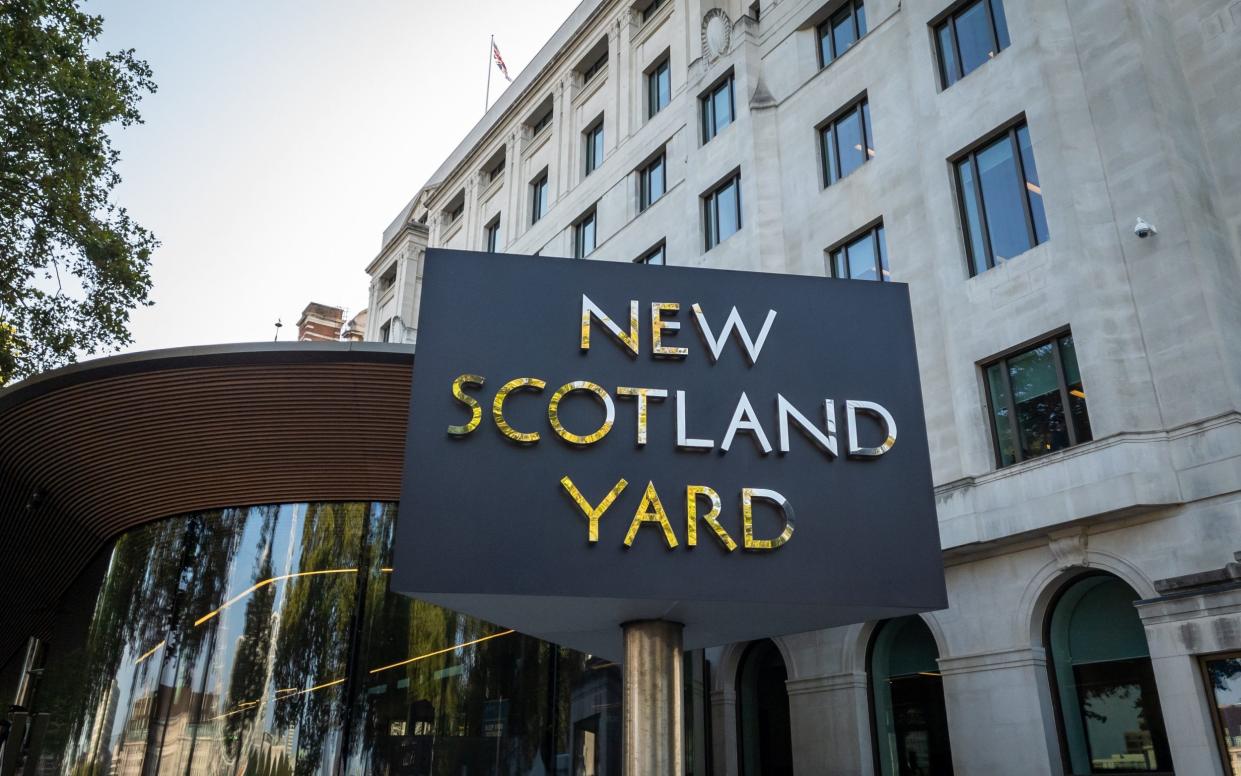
x=653, y=707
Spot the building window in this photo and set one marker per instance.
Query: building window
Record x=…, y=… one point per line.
x=907, y=700
x=495, y=171
x=584, y=236
x=648, y=12
x=1223, y=681
x=595, y=67
x=542, y=122
x=594, y=146
x=862, y=258
x=658, y=88
x=491, y=235
x=1037, y=401
x=538, y=197
x=1102, y=682
x=455, y=212
x=651, y=182
x=1002, y=211
x=968, y=37
x=717, y=108
x=657, y=255
x=841, y=30
x=722, y=211
x=388, y=278
x=846, y=142
x=756, y=11
x=764, y=729
x=385, y=331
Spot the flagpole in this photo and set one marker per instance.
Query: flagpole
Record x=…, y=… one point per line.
x=491, y=47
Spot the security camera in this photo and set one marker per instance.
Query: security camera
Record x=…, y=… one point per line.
x=1144, y=229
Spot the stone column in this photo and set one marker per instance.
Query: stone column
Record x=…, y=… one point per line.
x=1000, y=717
x=830, y=717
x=724, y=732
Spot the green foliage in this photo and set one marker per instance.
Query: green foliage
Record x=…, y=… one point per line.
x=58, y=222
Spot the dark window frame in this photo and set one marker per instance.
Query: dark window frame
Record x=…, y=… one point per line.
x=645, y=200
x=650, y=9
x=539, y=204
x=658, y=249
x=708, y=121
x=1001, y=360
x=879, y=242
x=829, y=159
x=970, y=154
x=595, y=68
x=948, y=20
x=711, y=211
x=662, y=66
x=491, y=234
x=825, y=26
x=579, y=233
x=543, y=121
x=593, y=152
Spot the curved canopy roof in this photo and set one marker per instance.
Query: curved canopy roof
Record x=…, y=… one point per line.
x=92, y=450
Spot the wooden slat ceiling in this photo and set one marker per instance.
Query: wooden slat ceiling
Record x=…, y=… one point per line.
x=90, y=451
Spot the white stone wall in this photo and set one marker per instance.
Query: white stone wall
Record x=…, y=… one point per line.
x=1134, y=109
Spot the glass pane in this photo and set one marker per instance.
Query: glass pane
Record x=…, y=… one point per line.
x=974, y=37
x=1002, y=191
x=843, y=34
x=709, y=207
x=708, y=124
x=1077, y=394
x=861, y=19
x=883, y=254
x=588, y=235
x=861, y=253
x=920, y=723
x=665, y=85
x=729, y=217
x=1225, y=685
x=839, y=268
x=825, y=43
x=866, y=128
x=1001, y=23
x=656, y=178
x=947, y=55
x=1001, y=420
x=973, y=220
x=723, y=105
x=656, y=256
x=1036, y=394
x=1120, y=710
x=830, y=173
x=849, y=143
x=1033, y=191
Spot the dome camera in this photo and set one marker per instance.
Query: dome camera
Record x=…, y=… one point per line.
x=1144, y=229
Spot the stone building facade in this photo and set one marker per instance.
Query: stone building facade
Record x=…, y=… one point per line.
x=1060, y=186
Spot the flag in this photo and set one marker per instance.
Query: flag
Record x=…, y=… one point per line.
x=495, y=54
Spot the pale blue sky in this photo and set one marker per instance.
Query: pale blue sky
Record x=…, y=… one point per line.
x=286, y=135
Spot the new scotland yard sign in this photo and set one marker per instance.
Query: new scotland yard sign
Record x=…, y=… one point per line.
x=592, y=443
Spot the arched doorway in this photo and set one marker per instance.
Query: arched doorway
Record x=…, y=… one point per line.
x=907, y=698
x=1102, y=682
x=763, y=733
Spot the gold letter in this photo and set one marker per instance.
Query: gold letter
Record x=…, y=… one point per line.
x=553, y=412
x=747, y=518
x=643, y=394
x=691, y=512
x=497, y=408
x=476, y=412
x=592, y=513
x=651, y=510
x=658, y=325
x=630, y=340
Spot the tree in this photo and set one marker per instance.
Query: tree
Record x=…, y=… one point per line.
x=73, y=264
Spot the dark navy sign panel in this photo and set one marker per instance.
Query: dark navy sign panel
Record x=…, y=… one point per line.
x=486, y=528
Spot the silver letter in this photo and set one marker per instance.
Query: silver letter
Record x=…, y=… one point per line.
x=825, y=442
x=885, y=420
x=684, y=442
x=750, y=424
x=630, y=340
x=716, y=345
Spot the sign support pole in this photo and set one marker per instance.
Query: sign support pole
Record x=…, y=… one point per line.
x=653, y=699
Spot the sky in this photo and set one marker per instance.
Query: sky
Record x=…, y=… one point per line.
x=285, y=136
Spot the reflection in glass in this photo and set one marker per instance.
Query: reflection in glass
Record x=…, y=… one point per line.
x=863, y=258
x=264, y=640
x=1224, y=684
x=846, y=143
x=1002, y=192
x=1036, y=398
x=1108, y=702
x=1000, y=182
x=841, y=31
x=969, y=38
x=997, y=387
x=911, y=723
x=717, y=109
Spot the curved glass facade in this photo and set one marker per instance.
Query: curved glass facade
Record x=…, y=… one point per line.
x=264, y=640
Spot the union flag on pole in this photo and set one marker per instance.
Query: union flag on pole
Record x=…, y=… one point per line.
x=495, y=54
